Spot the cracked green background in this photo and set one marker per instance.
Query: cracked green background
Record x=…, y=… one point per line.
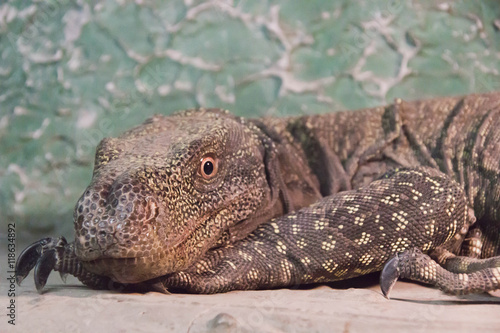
x=73, y=72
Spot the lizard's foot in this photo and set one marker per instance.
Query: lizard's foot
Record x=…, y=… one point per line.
x=43, y=255
x=414, y=265
x=55, y=254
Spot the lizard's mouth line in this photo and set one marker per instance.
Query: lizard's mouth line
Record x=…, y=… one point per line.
x=134, y=269
x=114, y=250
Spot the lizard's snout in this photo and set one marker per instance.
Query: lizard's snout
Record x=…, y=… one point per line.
x=110, y=221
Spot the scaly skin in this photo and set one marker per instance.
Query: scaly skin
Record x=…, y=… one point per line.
x=203, y=201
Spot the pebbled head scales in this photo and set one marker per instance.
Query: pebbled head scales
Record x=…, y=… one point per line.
x=151, y=210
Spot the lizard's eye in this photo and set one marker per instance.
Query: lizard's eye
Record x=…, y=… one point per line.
x=208, y=167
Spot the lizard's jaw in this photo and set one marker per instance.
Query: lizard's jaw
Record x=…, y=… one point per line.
x=123, y=266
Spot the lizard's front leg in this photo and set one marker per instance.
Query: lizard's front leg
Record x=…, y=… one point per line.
x=342, y=236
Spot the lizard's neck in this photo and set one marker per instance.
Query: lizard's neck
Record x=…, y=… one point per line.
x=325, y=148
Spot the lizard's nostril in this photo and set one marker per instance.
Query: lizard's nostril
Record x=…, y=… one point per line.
x=151, y=209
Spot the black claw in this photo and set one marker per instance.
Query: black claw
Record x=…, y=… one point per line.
x=389, y=276
x=43, y=268
x=28, y=259
x=63, y=276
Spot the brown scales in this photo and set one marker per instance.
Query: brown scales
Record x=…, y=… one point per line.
x=203, y=201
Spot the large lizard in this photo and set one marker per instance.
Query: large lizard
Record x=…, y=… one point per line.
x=204, y=202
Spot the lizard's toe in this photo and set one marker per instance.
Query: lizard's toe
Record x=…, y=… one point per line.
x=28, y=259
x=44, y=266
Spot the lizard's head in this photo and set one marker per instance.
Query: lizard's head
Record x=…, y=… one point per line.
x=165, y=192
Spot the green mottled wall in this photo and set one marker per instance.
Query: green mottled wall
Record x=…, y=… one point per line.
x=73, y=72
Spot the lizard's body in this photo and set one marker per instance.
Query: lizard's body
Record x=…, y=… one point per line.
x=292, y=201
